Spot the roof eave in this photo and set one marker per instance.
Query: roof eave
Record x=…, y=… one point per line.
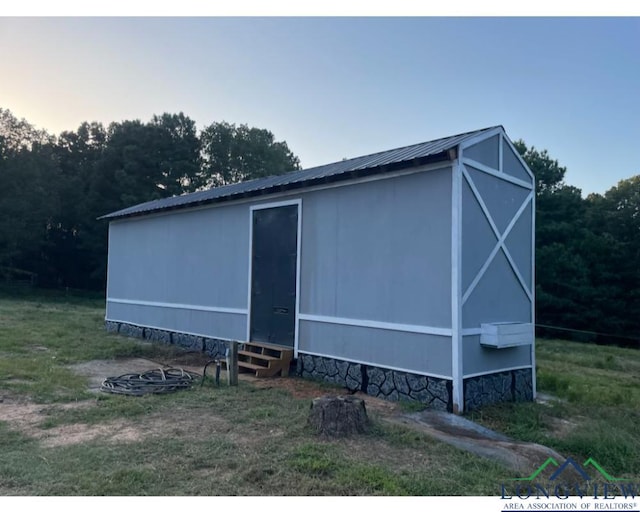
x=444, y=156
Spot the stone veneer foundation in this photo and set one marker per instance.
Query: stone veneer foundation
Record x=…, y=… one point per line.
x=376, y=381
x=508, y=386
x=210, y=346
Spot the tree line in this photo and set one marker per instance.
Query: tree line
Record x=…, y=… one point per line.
x=53, y=188
x=587, y=255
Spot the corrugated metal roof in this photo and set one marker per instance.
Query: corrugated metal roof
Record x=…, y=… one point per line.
x=384, y=161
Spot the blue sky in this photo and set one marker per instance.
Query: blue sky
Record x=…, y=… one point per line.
x=344, y=87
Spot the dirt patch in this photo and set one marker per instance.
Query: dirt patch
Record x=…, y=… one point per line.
x=303, y=389
x=64, y=435
x=21, y=414
x=26, y=414
x=28, y=418
x=178, y=424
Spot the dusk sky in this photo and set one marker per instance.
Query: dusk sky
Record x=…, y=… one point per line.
x=344, y=87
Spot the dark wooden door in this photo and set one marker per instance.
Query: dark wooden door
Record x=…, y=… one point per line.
x=273, y=275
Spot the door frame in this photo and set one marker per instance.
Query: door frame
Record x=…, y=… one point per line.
x=296, y=321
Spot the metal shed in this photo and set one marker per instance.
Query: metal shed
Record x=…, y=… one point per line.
x=408, y=274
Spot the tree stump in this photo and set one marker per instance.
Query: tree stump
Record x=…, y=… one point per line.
x=337, y=416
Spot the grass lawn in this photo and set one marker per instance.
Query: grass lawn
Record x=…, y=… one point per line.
x=253, y=440
x=596, y=410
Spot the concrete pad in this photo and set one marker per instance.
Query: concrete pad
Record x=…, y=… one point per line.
x=469, y=436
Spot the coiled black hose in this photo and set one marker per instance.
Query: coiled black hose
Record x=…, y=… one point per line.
x=155, y=381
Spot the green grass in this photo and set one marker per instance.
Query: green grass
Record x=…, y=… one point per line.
x=250, y=440
x=595, y=406
x=41, y=335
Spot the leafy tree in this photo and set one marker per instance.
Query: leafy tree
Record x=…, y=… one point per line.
x=615, y=218
x=560, y=276
x=53, y=189
x=233, y=153
x=548, y=172
x=139, y=162
x=69, y=253
x=28, y=199
x=178, y=153
x=587, y=251
x=18, y=135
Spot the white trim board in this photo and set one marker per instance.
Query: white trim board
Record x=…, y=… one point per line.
x=173, y=305
x=456, y=287
x=500, y=153
x=296, y=324
x=372, y=324
x=533, y=295
x=276, y=204
x=394, y=368
x=497, y=174
x=189, y=333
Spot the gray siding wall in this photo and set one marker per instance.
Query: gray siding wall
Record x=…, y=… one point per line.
x=412, y=352
x=498, y=295
x=486, y=152
x=194, y=258
x=376, y=251
x=479, y=359
x=197, y=257
x=379, y=251
x=519, y=245
x=501, y=198
x=511, y=164
x=225, y=326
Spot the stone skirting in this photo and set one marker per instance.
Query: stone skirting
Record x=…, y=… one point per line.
x=509, y=386
x=210, y=346
x=376, y=381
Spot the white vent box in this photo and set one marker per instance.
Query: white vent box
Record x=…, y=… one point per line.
x=506, y=334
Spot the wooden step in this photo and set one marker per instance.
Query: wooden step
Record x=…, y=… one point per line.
x=272, y=346
x=248, y=353
x=250, y=366
x=265, y=359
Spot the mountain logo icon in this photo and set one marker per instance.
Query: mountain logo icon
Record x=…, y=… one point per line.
x=570, y=463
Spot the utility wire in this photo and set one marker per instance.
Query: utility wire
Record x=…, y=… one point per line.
x=588, y=332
